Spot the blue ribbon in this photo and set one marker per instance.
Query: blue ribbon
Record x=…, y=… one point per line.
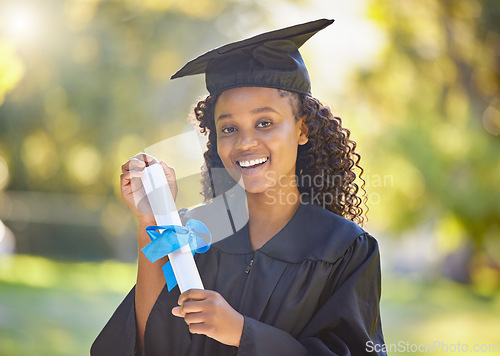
x=172, y=238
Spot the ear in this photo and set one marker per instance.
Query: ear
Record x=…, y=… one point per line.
x=303, y=131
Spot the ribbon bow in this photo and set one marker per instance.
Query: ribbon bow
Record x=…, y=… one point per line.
x=170, y=239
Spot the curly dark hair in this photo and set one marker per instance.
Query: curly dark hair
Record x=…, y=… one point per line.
x=326, y=164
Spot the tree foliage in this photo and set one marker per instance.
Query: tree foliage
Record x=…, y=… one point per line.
x=435, y=98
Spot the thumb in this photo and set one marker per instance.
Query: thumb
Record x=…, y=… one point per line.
x=170, y=175
x=169, y=171
x=176, y=311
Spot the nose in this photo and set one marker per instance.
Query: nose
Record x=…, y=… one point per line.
x=246, y=140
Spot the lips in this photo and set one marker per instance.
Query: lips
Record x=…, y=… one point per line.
x=252, y=163
x=249, y=167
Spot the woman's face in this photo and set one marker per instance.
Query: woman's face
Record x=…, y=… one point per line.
x=258, y=136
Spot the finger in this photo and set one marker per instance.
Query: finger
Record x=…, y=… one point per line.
x=176, y=311
x=198, y=328
x=127, y=176
x=192, y=306
x=125, y=166
x=194, y=318
x=133, y=163
x=136, y=164
x=169, y=170
x=130, y=187
x=194, y=294
x=136, y=184
x=146, y=158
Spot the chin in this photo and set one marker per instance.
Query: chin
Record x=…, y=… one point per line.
x=252, y=186
x=254, y=189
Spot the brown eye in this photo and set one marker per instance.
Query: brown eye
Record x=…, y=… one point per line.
x=228, y=130
x=264, y=124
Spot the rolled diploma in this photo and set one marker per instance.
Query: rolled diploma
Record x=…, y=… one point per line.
x=165, y=213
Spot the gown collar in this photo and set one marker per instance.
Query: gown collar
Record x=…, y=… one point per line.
x=239, y=243
x=313, y=233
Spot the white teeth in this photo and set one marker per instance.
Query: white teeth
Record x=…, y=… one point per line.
x=252, y=162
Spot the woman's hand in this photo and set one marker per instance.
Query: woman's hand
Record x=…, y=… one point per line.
x=207, y=312
x=132, y=190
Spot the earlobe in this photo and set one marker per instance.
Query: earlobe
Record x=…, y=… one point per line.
x=304, y=131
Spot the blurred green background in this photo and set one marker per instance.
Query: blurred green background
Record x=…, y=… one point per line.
x=84, y=85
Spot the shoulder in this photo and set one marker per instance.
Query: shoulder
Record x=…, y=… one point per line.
x=318, y=234
x=326, y=222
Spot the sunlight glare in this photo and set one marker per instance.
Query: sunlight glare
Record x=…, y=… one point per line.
x=20, y=23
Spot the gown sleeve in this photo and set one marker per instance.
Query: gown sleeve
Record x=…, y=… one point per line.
x=119, y=335
x=346, y=324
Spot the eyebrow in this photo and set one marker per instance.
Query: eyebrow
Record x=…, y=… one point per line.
x=264, y=109
x=224, y=116
x=254, y=111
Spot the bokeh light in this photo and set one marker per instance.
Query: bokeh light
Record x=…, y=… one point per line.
x=4, y=173
x=20, y=21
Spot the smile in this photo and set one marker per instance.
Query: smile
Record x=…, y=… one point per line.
x=252, y=163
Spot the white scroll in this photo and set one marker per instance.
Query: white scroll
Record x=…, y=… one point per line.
x=165, y=213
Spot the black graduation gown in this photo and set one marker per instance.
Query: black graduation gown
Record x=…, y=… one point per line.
x=313, y=289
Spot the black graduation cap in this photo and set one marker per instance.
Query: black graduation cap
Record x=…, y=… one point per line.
x=271, y=59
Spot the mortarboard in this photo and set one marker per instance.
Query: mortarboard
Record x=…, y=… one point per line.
x=271, y=59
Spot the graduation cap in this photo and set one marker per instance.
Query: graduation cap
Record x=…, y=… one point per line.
x=271, y=60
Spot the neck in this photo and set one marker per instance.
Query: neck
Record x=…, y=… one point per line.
x=269, y=213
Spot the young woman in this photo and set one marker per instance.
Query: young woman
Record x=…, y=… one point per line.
x=299, y=276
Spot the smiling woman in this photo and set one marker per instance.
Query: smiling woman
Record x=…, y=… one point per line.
x=326, y=160
x=299, y=276
x=257, y=137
